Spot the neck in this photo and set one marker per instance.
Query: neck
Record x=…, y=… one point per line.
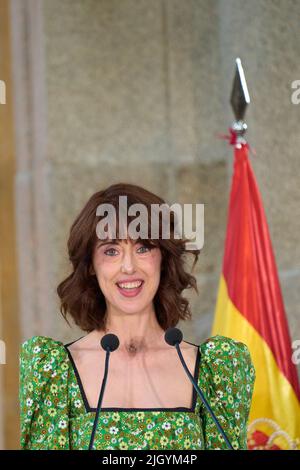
x=137, y=332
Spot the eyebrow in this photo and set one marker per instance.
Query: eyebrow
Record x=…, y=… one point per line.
x=108, y=242
x=114, y=242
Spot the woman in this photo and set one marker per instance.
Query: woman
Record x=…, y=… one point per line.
x=133, y=289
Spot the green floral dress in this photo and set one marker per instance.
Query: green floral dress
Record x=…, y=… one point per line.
x=55, y=413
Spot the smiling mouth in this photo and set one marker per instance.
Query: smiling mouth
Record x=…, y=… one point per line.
x=130, y=285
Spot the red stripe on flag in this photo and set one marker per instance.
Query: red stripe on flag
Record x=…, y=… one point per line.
x=249, y=266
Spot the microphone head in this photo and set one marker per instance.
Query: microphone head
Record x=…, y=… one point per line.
x=173, y=336
x=110, y=342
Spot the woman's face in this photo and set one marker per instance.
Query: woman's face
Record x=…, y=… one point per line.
x=128, y=273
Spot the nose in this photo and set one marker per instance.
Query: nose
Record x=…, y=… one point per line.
x=128, y=263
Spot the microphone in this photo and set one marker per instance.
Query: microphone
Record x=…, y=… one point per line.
x=173, y=337
x=109, y=343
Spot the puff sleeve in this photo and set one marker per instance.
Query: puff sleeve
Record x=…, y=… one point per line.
x=43, y=395
x=227, y=380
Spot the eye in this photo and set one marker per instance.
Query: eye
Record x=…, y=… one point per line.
x=144, y=247
x=109, y=250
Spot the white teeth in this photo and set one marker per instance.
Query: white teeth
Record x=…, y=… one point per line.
x=130, y=285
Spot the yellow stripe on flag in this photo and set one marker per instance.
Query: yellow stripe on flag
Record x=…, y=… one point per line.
x=274, y=404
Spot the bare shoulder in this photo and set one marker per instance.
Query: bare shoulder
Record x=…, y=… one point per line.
x=84, y=343
x=190, y=350
x=188, y=345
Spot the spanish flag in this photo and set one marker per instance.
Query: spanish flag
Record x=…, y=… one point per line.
x=250, y=309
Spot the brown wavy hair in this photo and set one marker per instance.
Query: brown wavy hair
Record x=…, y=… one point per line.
x=80, y=294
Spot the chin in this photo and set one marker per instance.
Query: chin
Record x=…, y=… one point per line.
x=131, y=306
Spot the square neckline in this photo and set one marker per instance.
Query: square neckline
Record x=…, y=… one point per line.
x=89, y=409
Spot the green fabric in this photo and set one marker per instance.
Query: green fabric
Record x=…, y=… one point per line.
x=53, y=413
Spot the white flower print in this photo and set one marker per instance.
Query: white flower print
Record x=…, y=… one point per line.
x=29, y=402
x=54, y=388
x=62, y=440
x=51, y=428
x=149, y=435
x=52, y=412
x=113, y=430
x=164, y=441
x=116, y=417
x=166, y=426
x=62, y=424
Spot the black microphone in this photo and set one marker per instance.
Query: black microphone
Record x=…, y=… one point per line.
x=109, y=343
x=173, y=337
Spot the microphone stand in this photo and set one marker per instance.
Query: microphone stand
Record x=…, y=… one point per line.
x=100, y=399
x=205, y=402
